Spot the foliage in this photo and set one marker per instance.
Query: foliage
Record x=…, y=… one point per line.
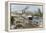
x=19, y=25
x=12, y=19
x=39, y=13
x=18, y=22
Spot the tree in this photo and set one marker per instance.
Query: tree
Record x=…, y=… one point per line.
x=39, y=13
x=23, y=11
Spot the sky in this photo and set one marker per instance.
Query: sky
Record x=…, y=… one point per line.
x=31, y=8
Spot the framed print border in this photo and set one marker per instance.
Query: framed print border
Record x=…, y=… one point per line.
x=7, y=14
